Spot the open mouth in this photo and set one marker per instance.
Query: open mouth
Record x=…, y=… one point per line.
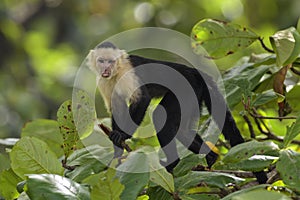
x=106, y=74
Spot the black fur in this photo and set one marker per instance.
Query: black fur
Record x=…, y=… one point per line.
x=106, y=45
x=203, y=87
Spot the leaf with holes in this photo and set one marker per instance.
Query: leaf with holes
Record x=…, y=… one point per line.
x=220, y=38
x=71, y=140
x=84, y=113
x=248, y=149
x=288, y=168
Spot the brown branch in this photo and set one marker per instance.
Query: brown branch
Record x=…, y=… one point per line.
x=107, y=131
x=271, y=135
x=268, y=117
x=246, y=118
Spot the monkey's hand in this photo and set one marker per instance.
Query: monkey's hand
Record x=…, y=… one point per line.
x=118, y=137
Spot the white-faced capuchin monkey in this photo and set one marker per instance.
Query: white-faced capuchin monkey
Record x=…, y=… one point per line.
x=110, y=65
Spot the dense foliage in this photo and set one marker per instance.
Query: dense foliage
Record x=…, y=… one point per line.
x=49, y=161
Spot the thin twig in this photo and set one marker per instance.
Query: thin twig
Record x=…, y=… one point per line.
x=246, y=118
x=293, y=69
x=264, y=46
x=268, y=117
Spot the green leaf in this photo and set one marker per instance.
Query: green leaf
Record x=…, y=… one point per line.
x=5, y=162
x=84, y=112
x=31, y=155
x=47, y=131
x=286, y=44
x=255, y=163
x=214, y=179
x=264, y=98
x=298, y=25
x=220, y=38
x=242, y=80
x=105, y=185
x=248, y=149
x=256, y=192
x=292, y=132
x=199, y=196
x=187, y=163
x=159, y=193
x=288, y=168
x=8, y=182
x=71, y=140
x=134, y=174
x=89, y=160
x=50, y=186
x=159, y=174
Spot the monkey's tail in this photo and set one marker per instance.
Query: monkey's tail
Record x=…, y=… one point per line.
x=216, y=105
x=213, y=97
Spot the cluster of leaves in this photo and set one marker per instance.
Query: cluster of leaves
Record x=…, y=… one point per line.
x=66, y=159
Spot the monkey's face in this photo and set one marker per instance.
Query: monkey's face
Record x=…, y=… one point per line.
x=106, y=66
x=104, y=62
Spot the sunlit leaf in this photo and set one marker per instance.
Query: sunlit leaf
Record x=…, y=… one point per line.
x=240, y=81
x=257, y=192
x=220, y=38
x=5, y=162
x=8, y=182
x=89, y=160
x=105, y=185
x=292, y=132
x=159, y=174
x=31, y=155
x=134, y=174
x=288, y=167
x=50, y=186
x=47, y=131
x=255, y=163
x=84, y=113
x=193, y=178
x=71, y=140
x=187, y=163
x=264, y=98
x=248, y=149
x=286, y=44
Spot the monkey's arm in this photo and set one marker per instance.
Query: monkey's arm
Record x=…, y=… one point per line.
x=125, y=125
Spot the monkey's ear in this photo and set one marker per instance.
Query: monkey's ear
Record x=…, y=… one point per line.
x=90, y=62
x=123, y=54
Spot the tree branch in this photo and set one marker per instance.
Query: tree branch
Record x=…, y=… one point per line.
x=107, y=131
x=246, y=118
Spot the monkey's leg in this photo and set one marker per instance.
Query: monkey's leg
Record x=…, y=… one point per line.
x=166, y=119
x=197, y=146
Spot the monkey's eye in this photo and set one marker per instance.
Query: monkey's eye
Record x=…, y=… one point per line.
x=111, y=61
x=101, y=61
